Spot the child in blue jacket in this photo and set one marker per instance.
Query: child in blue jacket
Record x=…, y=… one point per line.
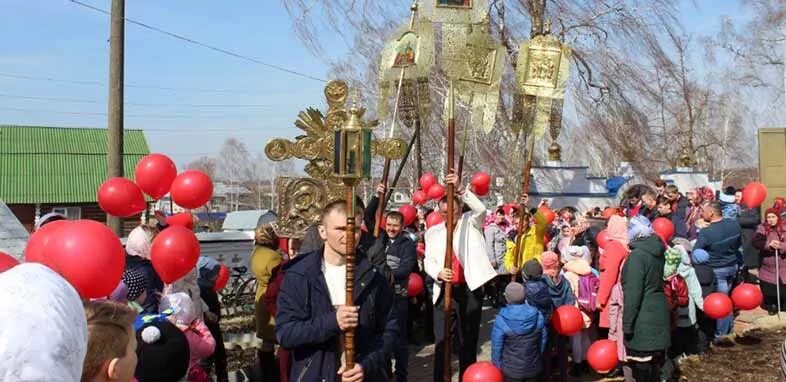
x=518, y=337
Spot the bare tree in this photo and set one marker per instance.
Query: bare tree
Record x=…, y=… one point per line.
x=638, y=92
x=206, y=164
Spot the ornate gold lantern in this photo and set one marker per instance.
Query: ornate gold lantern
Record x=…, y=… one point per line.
x=352, y=149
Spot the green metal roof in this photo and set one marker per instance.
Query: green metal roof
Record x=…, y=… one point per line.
x=59, y=165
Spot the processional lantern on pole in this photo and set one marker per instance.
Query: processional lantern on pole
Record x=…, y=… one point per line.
x=542, y=73
x=351, y=164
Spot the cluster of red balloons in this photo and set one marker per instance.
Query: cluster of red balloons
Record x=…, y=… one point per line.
x=85, y=252
x=433, y=190
x=155, y=175
x=419, y=198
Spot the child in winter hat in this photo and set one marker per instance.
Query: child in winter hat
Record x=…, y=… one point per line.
x=200, y=341
x=162, y=353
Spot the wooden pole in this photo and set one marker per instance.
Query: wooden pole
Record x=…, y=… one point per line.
x=114, y=157
x=403, y=162
x=382, y=198
x=349, y=335
x=522, y=207
x=461, y=155
x=419, y=148
x=451, y=194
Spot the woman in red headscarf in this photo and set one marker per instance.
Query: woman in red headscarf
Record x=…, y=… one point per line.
x=770, y=239
x=697, y=197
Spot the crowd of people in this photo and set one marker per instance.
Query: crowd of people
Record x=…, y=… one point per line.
x=631, y=287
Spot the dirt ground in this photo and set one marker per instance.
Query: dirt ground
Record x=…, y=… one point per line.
x=751, y=357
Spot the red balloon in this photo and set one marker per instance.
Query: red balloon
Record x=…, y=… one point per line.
x=434, y=218
x=410, y=214
x=415, y=285
x=85, y=252
x=223, y=278
x=174, y=253
x=754, y=194
x=602, y=238
x=548, y=214
x=717, y=305
x=664, y=228
x=609, y=212
x=436, y=192
x=183, y=219
x=421, y=249
x=154, y=174
x=567, y=320
x=481, y=182
x=121, y=197
x=192, y=189
x=7, y=262
x=419, y=198
x=746, y=296
x=602, y=356
x=427, y=180
x=482, y=372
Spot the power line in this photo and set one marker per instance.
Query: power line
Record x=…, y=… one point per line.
x=204, y=45
x=130, y=85
x=129, y=115
x=78, y=100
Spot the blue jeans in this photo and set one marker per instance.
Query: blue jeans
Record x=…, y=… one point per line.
x=724, y=277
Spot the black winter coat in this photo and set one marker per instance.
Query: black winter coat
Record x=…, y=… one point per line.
x=306, y=321
x=749, y=220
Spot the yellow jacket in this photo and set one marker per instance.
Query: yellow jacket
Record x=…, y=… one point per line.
x=263, y=260
x=532, y=244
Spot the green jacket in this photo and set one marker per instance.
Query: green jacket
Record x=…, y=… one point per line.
x=645, y=316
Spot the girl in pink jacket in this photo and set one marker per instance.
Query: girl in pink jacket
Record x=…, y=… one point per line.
x=200, y=342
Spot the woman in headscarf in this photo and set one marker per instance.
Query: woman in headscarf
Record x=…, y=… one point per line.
x=610, y=263
x=610, y=298
x=264, y=259
x=645, y=319
x=697, y=197
x=44, y=330
x=770, y=239
x=138, y=244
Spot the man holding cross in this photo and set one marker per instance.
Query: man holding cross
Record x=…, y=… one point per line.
x=312, y=317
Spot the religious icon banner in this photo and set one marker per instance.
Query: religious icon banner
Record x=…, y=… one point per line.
x=455, y=11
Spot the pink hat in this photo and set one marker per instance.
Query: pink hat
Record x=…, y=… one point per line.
x=550, y=262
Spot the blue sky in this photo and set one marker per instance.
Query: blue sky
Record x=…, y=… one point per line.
x=61, y=40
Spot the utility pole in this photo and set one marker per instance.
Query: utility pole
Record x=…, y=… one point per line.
x=115, y=125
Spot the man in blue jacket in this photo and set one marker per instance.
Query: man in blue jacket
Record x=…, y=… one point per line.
x=312, y=317
x=722, y=240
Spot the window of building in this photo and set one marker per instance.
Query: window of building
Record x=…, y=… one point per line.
x=71, y=213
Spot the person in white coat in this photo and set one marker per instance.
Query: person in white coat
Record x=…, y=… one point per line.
x=470, y=271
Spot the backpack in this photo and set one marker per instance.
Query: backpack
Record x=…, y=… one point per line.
x=588, y=292
x=676, y=290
